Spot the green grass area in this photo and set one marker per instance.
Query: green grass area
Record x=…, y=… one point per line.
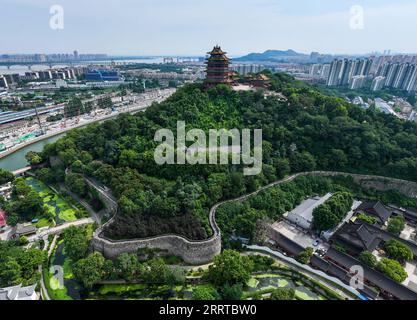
x=120, y=288
x=70, y=285
x=43, y=222
x=55, y=291
x=252, y=283
x=56, y=206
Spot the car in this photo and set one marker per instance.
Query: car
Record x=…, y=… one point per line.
x=316, y=243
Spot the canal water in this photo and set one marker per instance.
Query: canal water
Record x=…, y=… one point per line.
x=17, y=159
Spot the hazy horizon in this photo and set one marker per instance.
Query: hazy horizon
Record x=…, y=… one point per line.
x=192, y=27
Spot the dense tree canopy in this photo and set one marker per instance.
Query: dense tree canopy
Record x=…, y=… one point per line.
x=5, y=176
x=308, y=130
x=368, y=258
x=392, y=269
x=25, y=203
x=230, y=268
x=18, y=265
x=398, y=250
x=396, y=225
x=332, y=212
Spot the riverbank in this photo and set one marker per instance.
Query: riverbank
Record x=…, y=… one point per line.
x=19, y=161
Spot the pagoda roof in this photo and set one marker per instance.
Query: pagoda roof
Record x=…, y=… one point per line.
x=216, y=51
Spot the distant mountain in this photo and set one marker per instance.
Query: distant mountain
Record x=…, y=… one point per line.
x=274, y=56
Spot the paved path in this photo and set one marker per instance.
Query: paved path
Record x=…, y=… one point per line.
x=305, y=269
x=59, y=229
x=94, y=215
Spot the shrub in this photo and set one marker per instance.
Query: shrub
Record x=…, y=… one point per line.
x=392, y=269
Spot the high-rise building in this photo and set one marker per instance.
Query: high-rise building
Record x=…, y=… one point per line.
x=3, y=82
x=325, y=71
x=315, y=70
x=335, y=67
x=45, y=75
x=392, y=74
x=401, y=74
x=342, y=71
x=217, y=71
x=378, y=83
x=357, y=82
x=411, y=84
x=244, y=69
x=12, y=78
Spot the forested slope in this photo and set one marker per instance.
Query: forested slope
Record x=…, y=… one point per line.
x=309, y=131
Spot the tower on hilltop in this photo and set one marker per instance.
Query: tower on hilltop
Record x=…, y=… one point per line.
x=217, y=68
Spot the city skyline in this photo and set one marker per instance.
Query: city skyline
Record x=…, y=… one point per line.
x=180, y=27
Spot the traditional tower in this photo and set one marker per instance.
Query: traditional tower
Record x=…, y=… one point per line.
x=217, y=68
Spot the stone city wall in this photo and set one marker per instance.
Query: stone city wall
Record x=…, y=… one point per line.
x=200, y=252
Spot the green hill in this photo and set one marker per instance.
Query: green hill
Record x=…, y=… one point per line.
x=309, y=131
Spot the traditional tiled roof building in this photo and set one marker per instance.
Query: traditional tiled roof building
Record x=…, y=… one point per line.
x=218, y=71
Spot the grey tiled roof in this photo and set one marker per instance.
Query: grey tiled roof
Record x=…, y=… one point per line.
x=17, y=292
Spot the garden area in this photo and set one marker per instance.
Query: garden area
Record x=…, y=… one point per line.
x=70, y=289
x=259, y=286
x=57, y=208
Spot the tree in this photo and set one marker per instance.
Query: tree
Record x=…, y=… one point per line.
x=368, y=258
x=5, y=176
x=23, y=240
x=34, y=158
x=396, y=225
x=127, y=266
x=283, y=294
x=398, y=250
x=205, y=293
x=367, y=218
x=282, y=167
x=155, y=271
x=303, y=161
x=329, y=214
x=90, y=270
x=305, y=255
x=10, y=273
x=232, y=292
x=230, y=267
x=19, y=265
x=75, y=182
x=76, y=242
x=392, y=269
x=175, y=276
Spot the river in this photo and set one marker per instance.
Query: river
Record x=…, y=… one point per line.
x=17, y=160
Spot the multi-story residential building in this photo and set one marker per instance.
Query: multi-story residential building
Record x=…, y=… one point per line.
x=3, y=82
x=342, y=71
x=378, y=83
x=244, y=69
x=357, y=82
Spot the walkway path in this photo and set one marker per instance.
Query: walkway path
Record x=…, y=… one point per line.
x=59, y=229
x=305, y=269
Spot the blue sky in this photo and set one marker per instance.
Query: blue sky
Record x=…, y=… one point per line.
x=191, y=27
